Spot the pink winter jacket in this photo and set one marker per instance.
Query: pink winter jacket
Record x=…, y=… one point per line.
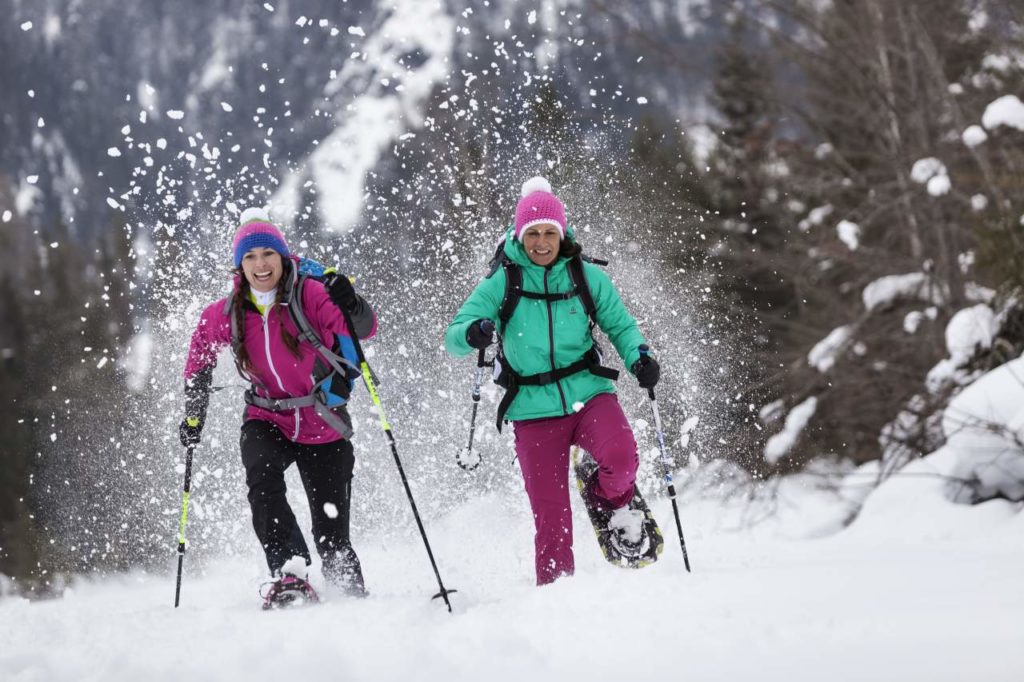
x=278, y=373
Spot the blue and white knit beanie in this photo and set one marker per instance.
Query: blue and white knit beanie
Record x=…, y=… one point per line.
x=256, y=230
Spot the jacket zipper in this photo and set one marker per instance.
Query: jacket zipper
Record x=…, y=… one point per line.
x=270, y=362
x=551, y=339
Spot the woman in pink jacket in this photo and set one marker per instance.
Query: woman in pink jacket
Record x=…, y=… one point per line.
x=284, y=420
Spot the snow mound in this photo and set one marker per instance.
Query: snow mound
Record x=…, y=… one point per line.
x=948, y=597
x=984, y=427
x=983, y=458
x=914, y=505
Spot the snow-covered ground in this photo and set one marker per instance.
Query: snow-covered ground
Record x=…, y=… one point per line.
x=917, y=588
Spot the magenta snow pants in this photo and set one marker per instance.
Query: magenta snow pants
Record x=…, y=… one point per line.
x=542, y=446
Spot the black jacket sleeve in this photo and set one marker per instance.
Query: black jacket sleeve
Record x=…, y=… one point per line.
x=197, y=393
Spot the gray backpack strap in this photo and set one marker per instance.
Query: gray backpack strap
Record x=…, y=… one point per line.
x=333, y=420
x=337, y=362
x=306, y=332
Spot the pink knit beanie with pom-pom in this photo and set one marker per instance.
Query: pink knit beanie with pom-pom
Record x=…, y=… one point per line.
x=538, y=205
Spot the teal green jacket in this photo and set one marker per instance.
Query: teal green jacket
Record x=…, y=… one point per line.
x=540, y=331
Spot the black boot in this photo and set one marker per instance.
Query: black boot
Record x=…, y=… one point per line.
x=342, y=569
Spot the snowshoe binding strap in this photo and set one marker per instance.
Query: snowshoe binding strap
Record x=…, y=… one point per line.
x=628, y=538
x=288, y=590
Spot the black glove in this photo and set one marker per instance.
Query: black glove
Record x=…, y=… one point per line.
x=646, y=369
x=190, y=430
x=340, y=289
x=479, y=334
x=197, y=399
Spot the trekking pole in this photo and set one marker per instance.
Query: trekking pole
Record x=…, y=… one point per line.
x=184, y=518
x=468, y=458
x=371, y=387
x=666, y=464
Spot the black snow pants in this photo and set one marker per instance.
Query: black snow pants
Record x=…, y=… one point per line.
x=326, y=473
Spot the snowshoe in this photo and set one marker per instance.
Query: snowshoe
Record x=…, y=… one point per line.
x=629, y=537
x=288, y=590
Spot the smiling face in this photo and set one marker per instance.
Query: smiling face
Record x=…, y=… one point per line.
x=262, y=268
x=541, y=243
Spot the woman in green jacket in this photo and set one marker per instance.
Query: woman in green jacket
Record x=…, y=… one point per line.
x=558, y=395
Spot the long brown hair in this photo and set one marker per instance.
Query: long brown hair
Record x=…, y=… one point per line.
x=241, y=295
x=567, y=248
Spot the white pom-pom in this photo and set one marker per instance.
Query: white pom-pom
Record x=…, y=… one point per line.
x=253, y=214
x=536, y=184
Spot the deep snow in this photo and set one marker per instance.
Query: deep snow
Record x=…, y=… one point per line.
x=917, y=588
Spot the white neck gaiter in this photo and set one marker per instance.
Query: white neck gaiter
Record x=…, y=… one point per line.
x=264, y=299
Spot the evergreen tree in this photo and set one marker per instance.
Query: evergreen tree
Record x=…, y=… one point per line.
x=19, y=542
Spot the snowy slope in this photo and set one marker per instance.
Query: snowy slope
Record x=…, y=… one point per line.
x=251, y=90
x=886, y=599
